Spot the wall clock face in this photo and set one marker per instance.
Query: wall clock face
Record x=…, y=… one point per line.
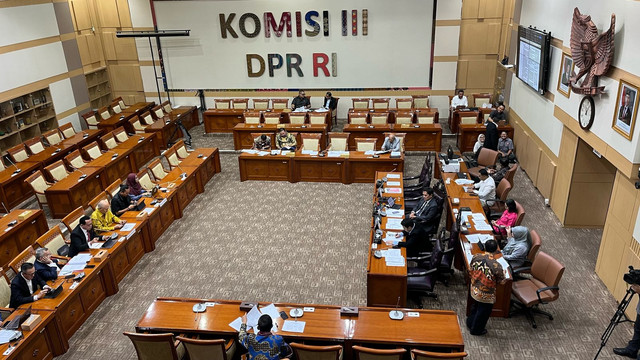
x=587, y=112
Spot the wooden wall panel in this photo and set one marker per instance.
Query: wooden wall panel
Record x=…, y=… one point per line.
x=533, y=161
x=125, y=48
x=480, y=37
x=108, y=13
x=480, y=73
x=482, y=8
x=108, y=41
x=80, y=14
x=562, y=183
x=123, y=13
x=125, y=77
x=83, y=48
x=546, y=176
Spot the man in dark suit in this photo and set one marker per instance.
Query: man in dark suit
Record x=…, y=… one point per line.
x=416, y=239
x=82, y=236
x=425, y=214
x=25, y=285
x=46, y=267
x=330, y=102
x=626, y=110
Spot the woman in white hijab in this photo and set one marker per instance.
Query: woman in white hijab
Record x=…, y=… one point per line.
x=518, y=245
x=479, y=144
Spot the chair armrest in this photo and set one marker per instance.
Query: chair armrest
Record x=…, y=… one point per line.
x=521, y=269
x=415, y=187
x=419, y=258
x=423, y=273
x=412, y=199
x=448, y=251
x=410, y=178
x=545, y=289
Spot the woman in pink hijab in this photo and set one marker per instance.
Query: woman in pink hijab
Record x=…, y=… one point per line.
x=135, y=189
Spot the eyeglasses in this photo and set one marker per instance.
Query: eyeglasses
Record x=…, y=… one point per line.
x=29, y=274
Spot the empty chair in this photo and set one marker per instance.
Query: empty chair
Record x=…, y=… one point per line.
x=72, y=220
x=261, y=104
x=113, y=189
x=430, y=355
x=120, y=102
x=364, y=353
x=136, y=125
x=67, y=130
x=420, y=101
x=109, y=141
x=310, y=352
x=297, y=118
x=252, y=117
x=92, y=150
x=445, y=269
x=379, y=118
x=240, y=103
x=147, y=118
x=310, y=141
x=34, y=146
x=158, y=112
x=424, y=180
x=541, y=288
x=120, y=134
x=217, y=349
x=157, y=170
x=115, y=107
x=497, y=206
x=426, y=118
x=279, y=104
x=145, y=180
x=486, y=157
x=39, y=185
x=511, y=173
x=52, y=137
x=166, y=107
x=382, y=103
x=27, y=255
x=480, y=99
x=104, y=113
x=172, y=158
x=52, y=240
x=365, y=144
x=338, y=141
x=181, y=149
x=222, y=104
x=357, y=118
x=271, y=118
x=91, y=118
x=57, y=171
x=404, y=117
x=317, y=118
x=156, y=346
x=404, y=103
x=468, y=117
x=360, y=103
x=422, y=280
x=18, y=153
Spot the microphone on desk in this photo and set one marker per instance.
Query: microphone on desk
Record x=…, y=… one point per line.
x=4, y=207
x=14, y=165
x=396, y=314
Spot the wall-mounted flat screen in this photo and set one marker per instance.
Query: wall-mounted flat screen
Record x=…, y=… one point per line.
x=534, y=50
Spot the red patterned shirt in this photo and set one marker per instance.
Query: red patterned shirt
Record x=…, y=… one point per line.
x=485, y=273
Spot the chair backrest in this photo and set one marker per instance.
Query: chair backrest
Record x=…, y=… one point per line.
x=511, y=173
x=72, y=220
x=172, y=157
x=297, y=118
x=481, y=99
x=404, y=117
x=487, y=157
x=549, y=271
x=166, y=106
x=109, y=141
x=5, y=290
x=271, y=118
x=360, y=103
x=520, y=211
x=420, y=101
x=52, y=240
x=317, y=118
x=381, y=103
x=136, y=124
x=57, y=170
x=53, y=137
x=536, y=242
x=120, y=102
x=93, y=203
x=364, y=353
x=104, y=113
x=310, y=352
x=37, y=182
x=147, y=118
x=181, y=149
x=426, y=117
x=379, y=118
x=223, y=104
x=157, y=169
x=365, y=144
x=145, y=180
x=18, y=153
x=261, y=104
x=311, y=141
x=67, y=130
x=153, y=346
x=158, y=112
x=115, y=108
x=339, y=141
x=252, y=117
x=34, y=145
x=91, y=118
x=113, y=189
x=240, y=103
x=120, y=134
x=468, y=118
x=27, y=255
x=205, y=349
x=74, y=160
x=93, y=150
x=430, y=355
x=404, y=103
x=280, y=103
x=357, y=118
x=2, y=166
x=503, y=189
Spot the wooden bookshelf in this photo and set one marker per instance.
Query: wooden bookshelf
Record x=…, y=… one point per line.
x=99, y=88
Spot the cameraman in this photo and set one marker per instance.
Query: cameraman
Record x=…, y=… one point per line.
x=634, y=344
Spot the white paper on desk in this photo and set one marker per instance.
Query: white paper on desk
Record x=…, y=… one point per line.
x=235, y=324
x=393, y=183
x=148, y=210
x=81, y=258
x=476, y=217
x=293, y=326
x=130, y=234
x=321, y=110
x=334, y=153
x=465, y=214
x=392, y=213
x=8, y=228
x=394, y=261
x=164, y=201
x=263, y=153
x=463, y=181
x=505, y=266
x=391, y=235
x=393, y=176
x=473, y=238
x=285, y=152
x=392, y=253
x=393, y=224
x=273, y=312
x=395, y=154
x=69, y=269
x=310, y=152
x=128, y=227
x=301, y=109
x=252, y=316
x=96, y=245
x=393, y=190
x=369, y=152
x=482, y=226
x=250, y=151
x=9, y=335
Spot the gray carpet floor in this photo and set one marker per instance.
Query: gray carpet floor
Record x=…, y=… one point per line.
x=307, y=243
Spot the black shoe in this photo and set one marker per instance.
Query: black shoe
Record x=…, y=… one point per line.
x=483, y=332
x=625, y=352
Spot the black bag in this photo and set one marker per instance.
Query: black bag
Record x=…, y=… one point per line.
x=63, y=250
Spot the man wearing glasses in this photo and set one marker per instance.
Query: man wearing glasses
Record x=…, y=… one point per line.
x=300, y=101
x=25, y=285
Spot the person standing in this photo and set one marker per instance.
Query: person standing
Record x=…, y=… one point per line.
x=485, y=274
x=491, y=133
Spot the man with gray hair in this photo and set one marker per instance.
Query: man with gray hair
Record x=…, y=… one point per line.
x=103, y=219
x=46, y=267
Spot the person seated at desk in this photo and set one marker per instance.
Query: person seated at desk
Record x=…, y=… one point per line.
x=518, y=245
x=285, y=141
x=25, y=284
x=300, y=101
x=330, y=103
x=496, y=174
x=135, y=188
x=391, y=143
x=485, y=188
x=507, y=220
x=122, y=202
x=416, y=239
x=264, y=345
x=505, y=149
x=459, y=101
x=83, y=236
x=46, y=267
x=491, y=133
x=103, y=219
x=425, y=214
x=262, y=142
x=478, y=145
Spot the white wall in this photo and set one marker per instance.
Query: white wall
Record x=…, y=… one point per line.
x=20, y=24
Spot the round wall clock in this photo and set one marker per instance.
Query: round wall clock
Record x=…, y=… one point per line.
x=586, y=112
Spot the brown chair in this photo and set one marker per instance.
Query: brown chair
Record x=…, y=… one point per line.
x=5, y=294
x=242, y=103
x=120, y=134
x=39, y=185
x=360, y=103
x=74, y=160
x=120, y=102
x=310, y=352
x=157, y=112
x=420, y=101
x=536, y=242
x=57, y=171
x=67, y=130
x=53, y=137
x=145, y=180
x=113, y=189
x=34, y=146
x=18, y=153
x=498, y=205
x=469, y=117
x=381, y=103
x=93, y=203
x=137, y=125
x=166, y=107
x=146, y=118
x=511, y=173
x=521, y=213
x=92, y=150
x=357, y=118
x=217, y=349
x=486, y=157
x=91, y=119
x=255, y=136
x=109, y=141
x=480, y=99
x=379, y=118
x=156, y=346
x=404, y=103
x=115, y=107
x=172, y=158
x=261, y=104
x=2, y=166
x=157, y=169
x=297, y=118
x=311, y=141
x=430, y=355
x=428, y=117
x=181, y=149
x=222, y=104
x=271, y=118
x=72, y=220
x=279, y=104
x=365, y=144
x=541, y=288
x=404, y=117
x=252, y=117
x=364, y=353
x=52, y=240
x=339, y=141
x=103, y=113
x=317, y=118
x=27, y=255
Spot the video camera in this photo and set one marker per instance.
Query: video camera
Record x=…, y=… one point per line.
x=632, y=277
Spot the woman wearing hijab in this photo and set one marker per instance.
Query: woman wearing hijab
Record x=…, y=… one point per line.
x=517, y=248
x=135, y=189
x=478, y=145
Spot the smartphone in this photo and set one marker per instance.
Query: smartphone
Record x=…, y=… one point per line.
x=283, y=315
x=89, y=266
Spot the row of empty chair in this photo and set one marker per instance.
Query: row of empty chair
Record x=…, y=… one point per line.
x=299, y=118
x=401, y=117
x=93, y=118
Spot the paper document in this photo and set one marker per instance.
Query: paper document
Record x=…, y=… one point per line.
x=80, y=259
x=10, y=335
x=69, y=269
x=476, y=217
x=392, y=253
x=96, y=245
x=395, y=154
x=263, y=153
x=393, y=190
x=394, y=224
x=505, y=266
x=252, y=316
x=235, y=324
x=391, y=235
x=128, y=227
x=250, y=151
x=293, y=326
x=392, y=213
x=334, y=153
x=271, y=311
x=463, y=181
x=393, y=176
x=310, y=152
x=321, y=110
x=482, y=226
x=148, y=210
x=393, y=183
x=394, y=261
x=369, y=152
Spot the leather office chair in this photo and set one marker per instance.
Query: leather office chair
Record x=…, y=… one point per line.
x=57, y=171
x=109, y=141
x=74, y=160
x=156, y=346
x=261, y=104
x=104, y=113
x=39, y=185
x=67, y=130
x=424, y=179
x=310, y=141
x=252, y=117
x=521, y=213
x=34, y=146
x=379, y=118
x=381, y=103
x=27, y=255
x=427, y=118
x=497, y=206
x=365, y=144
x=422, y=280
x=91, y=120
x=5, y=295
x=157, y=170
x=430, y=355
x=136, y=125
x=338, y=141
x=242, y=103
x=536, y=242
x=113, y=189
x=222, y=104
x=541, y=288
x=172, y=158
x=357, y=118
x=420, y=101
x=317, y=118
x=52, y=240
x=360, y=103
x=120, y=134
x=404, y=103
x=486, y=157
x=280, y=104
x=72, y=220
x=217, y=349
x=511, y=173
x=445, y=269
x=298, y=118
x=18, y=153
x=271, y=118
x=52, y=137
x=92, y=150
x=365, y=353
x=310, y=352
x=404, y=117
x=93, y=204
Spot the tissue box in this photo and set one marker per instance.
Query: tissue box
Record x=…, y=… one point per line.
x=31, y=322
x=142, y=215
x=24, y=215
x=101, y=255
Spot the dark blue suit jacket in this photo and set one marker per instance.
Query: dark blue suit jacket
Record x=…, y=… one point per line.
x=20, y=291
x=46, y=272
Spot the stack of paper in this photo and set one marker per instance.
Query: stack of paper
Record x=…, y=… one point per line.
x=392, y=213
x=467, y=251
x=394, y=224
x=293, y=326
x=393, y=257
x=249, y=151
x=76, y=263
x=310, y=152
x=505, y=266
x=395, y=154
x=369, y=152
x=263, y=153
x=390, y=236
x=393, y=176
x=463, y=181
x=320, y=110
x=476, y=238
x=128, y=227
x=393, y=183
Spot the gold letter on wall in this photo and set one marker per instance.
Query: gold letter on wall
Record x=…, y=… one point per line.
x=250, y=71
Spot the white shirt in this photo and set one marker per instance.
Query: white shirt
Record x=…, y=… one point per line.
x=29, y=284
x=326, y=105
x=486, y=189
x=456, y=101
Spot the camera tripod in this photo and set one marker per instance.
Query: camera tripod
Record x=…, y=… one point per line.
x=618, y=318
x=185, y=132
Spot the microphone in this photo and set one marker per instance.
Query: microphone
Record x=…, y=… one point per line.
x=14, y=165
x=396, y=314
x=4, y=207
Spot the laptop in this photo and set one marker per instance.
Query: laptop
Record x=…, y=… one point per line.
x=15, y=323
x=54, y=293
x=109, y=243
x=391, y=203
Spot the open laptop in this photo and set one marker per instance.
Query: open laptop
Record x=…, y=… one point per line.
x=391, y=203
x=110, y=242
x=15, y=323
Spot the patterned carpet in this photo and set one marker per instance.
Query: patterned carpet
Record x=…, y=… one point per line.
x=307, y=242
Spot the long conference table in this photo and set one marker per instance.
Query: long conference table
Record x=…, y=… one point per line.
x=242, y=138
x=427, y=329
x=419, y=137
x=225, y=120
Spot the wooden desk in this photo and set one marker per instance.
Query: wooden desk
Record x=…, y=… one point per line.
x=454, y=119
x=42, y=342
x=363, y=168
x=431, y=329
x=468, y=134
x=157, y=222
x=242, y=138
x=165, y=127
x=51, y=154
x=268, y=167
x=221, y=120
x=115, y=121
x=21, y=235
x=143, y=148
x=13, y=188
x=319, y=169
x=206, y=163
x=420, y=137
x=113, y=168
x=139, y=107
x=126, y=253
x=186, y=190
x=68, y=194
x=83, y=138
